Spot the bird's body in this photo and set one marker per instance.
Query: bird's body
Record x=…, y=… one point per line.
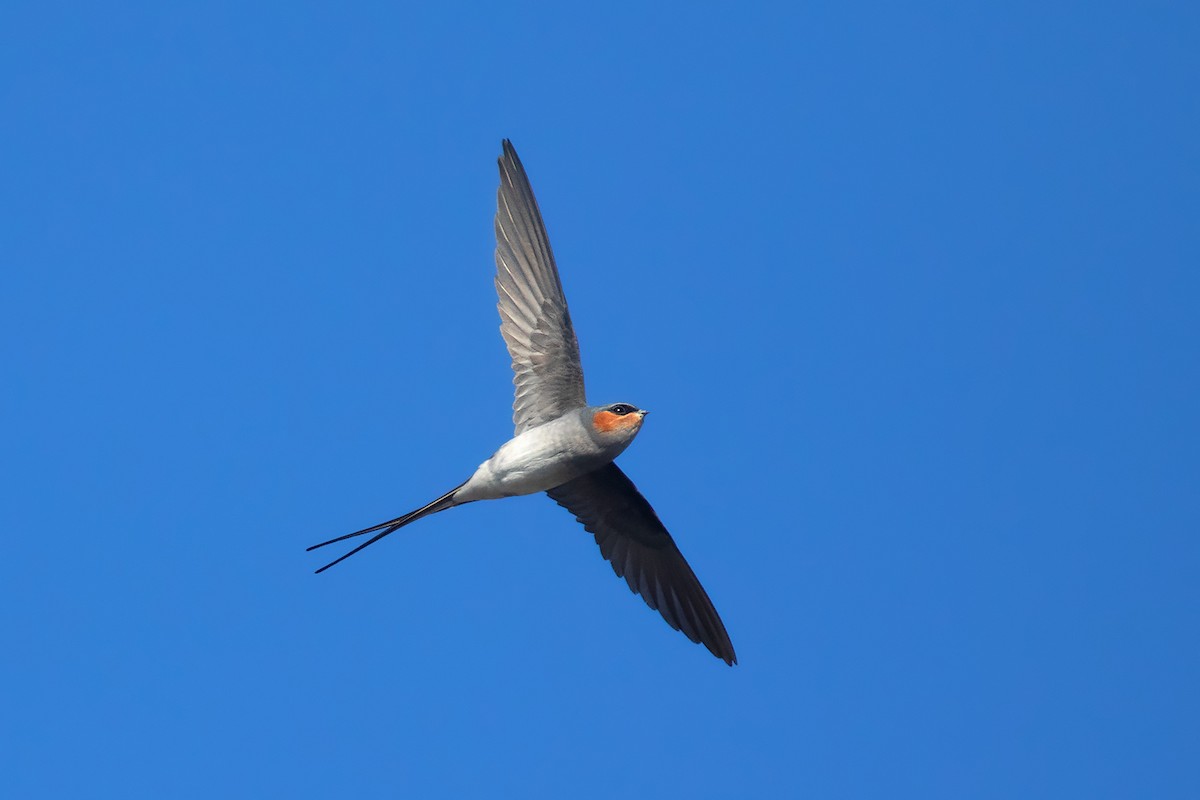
x=561, y=445
x=551, y=454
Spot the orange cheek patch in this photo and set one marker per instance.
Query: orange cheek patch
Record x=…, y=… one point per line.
x=607, y=422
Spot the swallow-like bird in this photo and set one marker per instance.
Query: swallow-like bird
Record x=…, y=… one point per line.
x=561, y=445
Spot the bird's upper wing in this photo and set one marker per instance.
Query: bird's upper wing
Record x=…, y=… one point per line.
x=641, y=551
x=534, y=320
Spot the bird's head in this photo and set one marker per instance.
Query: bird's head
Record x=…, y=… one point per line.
x=618, y=422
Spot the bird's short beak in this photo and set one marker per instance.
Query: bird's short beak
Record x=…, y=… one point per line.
x=643, y=412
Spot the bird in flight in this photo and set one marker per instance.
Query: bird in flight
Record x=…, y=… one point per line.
x=561, y=445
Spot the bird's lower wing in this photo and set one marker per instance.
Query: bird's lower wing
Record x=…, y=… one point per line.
x=636, y=543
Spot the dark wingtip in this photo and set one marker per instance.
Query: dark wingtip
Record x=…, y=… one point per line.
x=508, y=154
x=722, y=649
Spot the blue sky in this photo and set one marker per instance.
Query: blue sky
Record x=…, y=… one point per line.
x=911, y=290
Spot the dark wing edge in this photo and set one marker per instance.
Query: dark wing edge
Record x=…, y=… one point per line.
x=535, y=321
x=639, y=548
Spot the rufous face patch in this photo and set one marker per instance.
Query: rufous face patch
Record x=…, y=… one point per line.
x=608, y=422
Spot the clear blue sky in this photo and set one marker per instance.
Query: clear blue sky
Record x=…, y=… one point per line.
x=912, y=291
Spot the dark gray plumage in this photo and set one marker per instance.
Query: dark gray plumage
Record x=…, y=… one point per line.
x=637, y=544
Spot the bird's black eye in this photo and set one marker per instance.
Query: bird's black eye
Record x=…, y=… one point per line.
x=620, y=409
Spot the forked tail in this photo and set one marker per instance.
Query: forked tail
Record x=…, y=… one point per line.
x=392, y=525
